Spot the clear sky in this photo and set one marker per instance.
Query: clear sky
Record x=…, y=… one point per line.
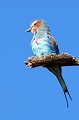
x=35, y=94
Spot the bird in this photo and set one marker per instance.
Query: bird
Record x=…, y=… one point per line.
x=43, y=43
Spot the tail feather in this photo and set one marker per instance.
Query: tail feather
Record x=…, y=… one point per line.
x=56, y=71
x=66, y=97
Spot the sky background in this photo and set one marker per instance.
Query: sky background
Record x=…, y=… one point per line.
x=35, y=94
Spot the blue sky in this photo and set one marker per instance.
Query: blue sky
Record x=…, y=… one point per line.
x=35, y=94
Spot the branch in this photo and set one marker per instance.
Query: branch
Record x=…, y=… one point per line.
x=52, y=60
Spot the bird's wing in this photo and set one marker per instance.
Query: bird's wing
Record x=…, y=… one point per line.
x=54, y=44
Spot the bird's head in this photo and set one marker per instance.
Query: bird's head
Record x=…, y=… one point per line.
x=38, y=25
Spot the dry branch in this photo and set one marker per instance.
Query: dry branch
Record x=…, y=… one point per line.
x=52, y=60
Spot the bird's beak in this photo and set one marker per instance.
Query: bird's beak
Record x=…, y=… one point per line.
x=28, y=30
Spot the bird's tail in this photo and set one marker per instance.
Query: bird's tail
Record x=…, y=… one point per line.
x=57, y=73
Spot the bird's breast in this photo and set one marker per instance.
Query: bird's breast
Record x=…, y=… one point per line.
x=40, y=46
x=34, y=41
x=39, y=41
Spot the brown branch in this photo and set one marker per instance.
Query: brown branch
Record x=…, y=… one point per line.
x=52, y=60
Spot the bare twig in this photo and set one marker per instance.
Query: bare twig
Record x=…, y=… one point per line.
x=52, y=60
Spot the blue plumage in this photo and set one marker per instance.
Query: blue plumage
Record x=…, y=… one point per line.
x=43, y=43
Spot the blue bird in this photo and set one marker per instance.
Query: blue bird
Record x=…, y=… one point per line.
x=43, y=43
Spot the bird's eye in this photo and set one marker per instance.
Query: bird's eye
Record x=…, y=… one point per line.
x=35, y=24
